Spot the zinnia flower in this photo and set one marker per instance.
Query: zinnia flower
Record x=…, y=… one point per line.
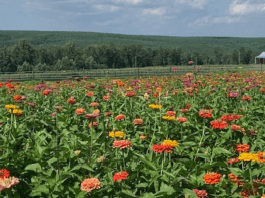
x=248, y=157
x=106, y=98
x=246, y=98
x=235, y=127
x=169, y=118
x=93, y=124
x=218, y=124
x=120, y=117
x=171, y=113
x=94, y=104
x=200, y=193
x=16, y=97
x=89, y=94
x=46, y=92
x=8, y=182
x=211, y=178
x=153, y=106
x=172, y=143
x=90, y=184
x=232, y=161
x=122, y=144
x=77, y=152
x=130, y=94
x=119, y=134
x=119, y=176
x=80, y=111
x=182, y=119
x=4, y=173
x=138, y=121
x=206, y=113
x=242, y=148
x=71, y=100
x=236, y=179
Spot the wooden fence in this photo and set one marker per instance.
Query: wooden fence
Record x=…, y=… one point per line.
x=125, y=72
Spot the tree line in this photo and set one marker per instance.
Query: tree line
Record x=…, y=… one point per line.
x=23, y=57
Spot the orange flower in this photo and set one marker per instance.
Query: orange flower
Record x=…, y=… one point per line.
x=93, y=124
x=143, y=137
x=235, y=127
x=130, y=94
x=120, y=83
x=200, y=193
x=138, y=121
x=122, y=144
x=71, y=100
x=218, y=124
x=16, y=97
x=89, y=94
x=232, y=161
x=211, y=178
x=159, y=89
x=182, y=119
x=242, y=148
x=94, y=104
x=120, y=117
x=46, y=92
x=246, y=98
x=9, y=85
x=171, y=113
x=106, y=98
x=236, y=179
x=120, y=176
x=80, y=111
x=90, y=184
x=206, y=113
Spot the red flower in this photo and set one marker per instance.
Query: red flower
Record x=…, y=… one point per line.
x=160, y=148
x=138, y=121
x=46, y=92
x=200, y=193
x=120, y=117
x=4, y=173
x=171, y=113
x=231, y=117
x=94, y=104
x=242, y=148
x=218, y=124
x=71, y=100
x=108, y=113
x=130, y=94
x=122, y=144
x=16, y=97
x=119, y=176
x=93, y=124
x=106, y=98
x=89, y=94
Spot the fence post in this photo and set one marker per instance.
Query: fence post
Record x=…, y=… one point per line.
x=170, y=71
x=32, y=75
x=137, y=72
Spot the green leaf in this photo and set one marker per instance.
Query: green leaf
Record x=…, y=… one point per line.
x=147, y=195
x=147, y=162
x=34, y=167
x=81, y=194
x=219, y=150
x=165, y=190
x=40, y=189
x=141, y=185
x=189, y=193
x=52, y=160
x=236, y=171
x=128, y=193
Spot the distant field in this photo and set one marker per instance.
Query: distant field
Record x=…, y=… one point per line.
x=125, y=72
x=189, y=44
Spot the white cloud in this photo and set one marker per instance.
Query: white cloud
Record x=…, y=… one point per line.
x=208, y=20
x=128, y=1
x=110, y=8
x=193, y=3
x=243, y=8
x=226, y=19
x=157, y=11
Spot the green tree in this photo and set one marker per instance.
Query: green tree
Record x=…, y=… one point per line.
x=219, y=54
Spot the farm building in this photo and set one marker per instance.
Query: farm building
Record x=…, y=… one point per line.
x=261, y=58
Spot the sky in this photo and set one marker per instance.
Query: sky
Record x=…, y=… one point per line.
x=232, y=18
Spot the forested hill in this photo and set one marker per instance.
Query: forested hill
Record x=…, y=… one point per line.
x=82, y=39
x=43, y=51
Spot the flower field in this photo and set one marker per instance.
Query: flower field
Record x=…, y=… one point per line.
x=159, y=137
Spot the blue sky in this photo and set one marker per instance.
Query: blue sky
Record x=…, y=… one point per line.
x=236, y=18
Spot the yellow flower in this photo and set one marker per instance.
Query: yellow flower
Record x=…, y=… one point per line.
x=248, y=157
x=169, y=117
x=130, y=88
x=10, y=106
x=77, y=152
x=153, y=106
x=173, y=143
x=119, y=134
x=15, y=111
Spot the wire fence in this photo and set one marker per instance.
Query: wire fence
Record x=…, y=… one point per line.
x=124, y=72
